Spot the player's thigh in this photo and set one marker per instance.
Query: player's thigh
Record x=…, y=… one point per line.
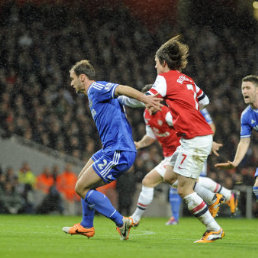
x=89, y=179
x=256, y=179
x=189, y=158
x=113, y=164
x=152, y=179
x=87, y=165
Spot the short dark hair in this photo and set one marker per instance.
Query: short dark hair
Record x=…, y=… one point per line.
x=251, y=78
x=174, y=53
x=84, y=67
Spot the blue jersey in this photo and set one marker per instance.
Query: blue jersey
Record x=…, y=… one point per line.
x=249, y=121
x=206, y=115
x=109, y=115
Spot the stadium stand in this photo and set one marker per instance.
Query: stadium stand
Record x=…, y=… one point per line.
x=38, y=44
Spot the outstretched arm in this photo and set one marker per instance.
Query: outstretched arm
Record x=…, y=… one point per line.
x=144, y=142
x=240, y=153
x=148, y=100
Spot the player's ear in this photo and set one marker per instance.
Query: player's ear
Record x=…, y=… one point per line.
x=164, y=63
x=82, y=77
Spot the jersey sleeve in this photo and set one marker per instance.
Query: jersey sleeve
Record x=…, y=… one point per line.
x=169, y=119
x=104, y=92
x=246, y=129
x=159, y=87
x=150, y=132
x=206, y=115
x=130, y=102
x=202, y=97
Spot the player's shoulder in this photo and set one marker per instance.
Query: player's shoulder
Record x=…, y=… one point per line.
x=182, y=78
x=246, y=112
x=102, y=85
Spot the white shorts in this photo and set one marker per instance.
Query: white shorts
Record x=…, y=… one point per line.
x=161, y=167
x=189, y=157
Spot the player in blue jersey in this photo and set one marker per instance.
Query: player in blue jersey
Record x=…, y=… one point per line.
x=118, y=152
x=249, y=123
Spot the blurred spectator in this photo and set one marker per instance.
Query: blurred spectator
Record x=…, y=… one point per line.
x=49, y=198
x=66, y=186
x=11, y=202
x=25, y=186
x=26, y=177
x=45, y=180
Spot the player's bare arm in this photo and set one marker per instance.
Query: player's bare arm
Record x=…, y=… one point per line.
x=240, y=153
x=144, y=142
x=148, y=100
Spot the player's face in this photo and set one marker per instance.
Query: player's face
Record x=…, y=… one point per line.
x=249, y=92
x=76, y=82
x=159, y=67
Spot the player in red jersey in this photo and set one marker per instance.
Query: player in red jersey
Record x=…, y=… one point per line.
x=184, y=98
x=159, y=127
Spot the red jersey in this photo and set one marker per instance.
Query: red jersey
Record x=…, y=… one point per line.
x=165, y=134
x=182, y=96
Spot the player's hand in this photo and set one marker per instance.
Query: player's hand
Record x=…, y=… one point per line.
x=226, y=165
x=215, y=148
x=137, y=145
x=152, y=103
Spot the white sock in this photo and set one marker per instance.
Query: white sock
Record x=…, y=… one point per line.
x=199, y=209
x=205, y=193
x=144, y=200
x=214, y=187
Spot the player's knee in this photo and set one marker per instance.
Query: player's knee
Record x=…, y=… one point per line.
x=181, y=191
x=78, y=188
x=146, y=181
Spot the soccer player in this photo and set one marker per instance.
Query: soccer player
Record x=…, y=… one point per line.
x=159, y=127
x=183, y=98
x=118, y=152
x=229, y=197
x=249, y=122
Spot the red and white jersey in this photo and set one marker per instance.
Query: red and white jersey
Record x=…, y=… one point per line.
x=157, y=126
x=183, y=97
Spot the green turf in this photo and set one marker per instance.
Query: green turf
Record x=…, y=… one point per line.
x=41, y=236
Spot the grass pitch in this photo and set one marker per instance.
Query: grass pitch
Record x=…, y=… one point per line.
x=42, y=237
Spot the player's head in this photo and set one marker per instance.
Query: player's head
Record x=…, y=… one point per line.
x=79, y=73
x=250, y=89
x=173, y=53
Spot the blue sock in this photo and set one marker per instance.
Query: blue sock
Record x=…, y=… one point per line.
x=88, y=213
x=175, y=202
x=255, y=191
x=104, y=206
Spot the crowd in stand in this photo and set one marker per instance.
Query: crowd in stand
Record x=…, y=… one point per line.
x=50, y=191
x=38, y=45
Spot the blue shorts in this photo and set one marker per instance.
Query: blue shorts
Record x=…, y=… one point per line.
x=109, y=165
x=256, y=173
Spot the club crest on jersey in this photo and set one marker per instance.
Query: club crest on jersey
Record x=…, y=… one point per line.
x=160, y=122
